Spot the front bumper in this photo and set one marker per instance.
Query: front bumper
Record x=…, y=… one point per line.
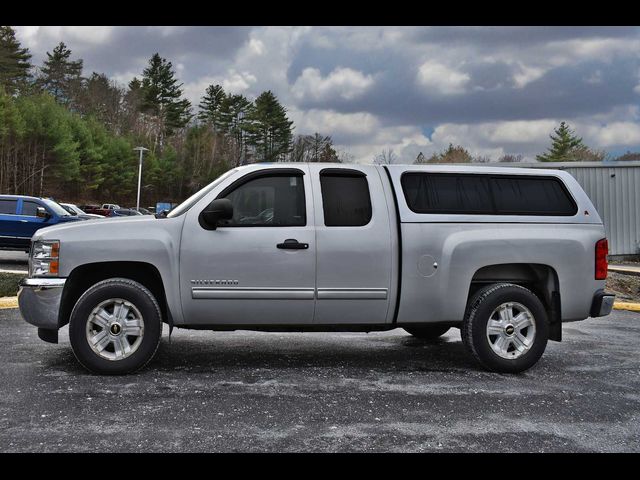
x=602, y=304
x=39, y=301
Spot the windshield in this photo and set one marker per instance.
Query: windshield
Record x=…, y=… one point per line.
x=57, y=209
x=68, y=208
x=193, y=199
x=72, y=209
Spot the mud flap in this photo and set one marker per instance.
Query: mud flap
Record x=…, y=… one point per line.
x=555, y=318
x=48, y=335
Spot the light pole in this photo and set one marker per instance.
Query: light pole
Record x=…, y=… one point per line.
x=141, y=150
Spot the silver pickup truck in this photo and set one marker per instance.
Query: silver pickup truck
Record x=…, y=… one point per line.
x=505, y=254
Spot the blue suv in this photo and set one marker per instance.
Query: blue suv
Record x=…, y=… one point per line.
x=21, y=216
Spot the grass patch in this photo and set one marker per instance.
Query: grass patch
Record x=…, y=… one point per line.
x=9, y=284
x=626, y=287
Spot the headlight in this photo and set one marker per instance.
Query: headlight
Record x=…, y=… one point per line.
x=44, y=258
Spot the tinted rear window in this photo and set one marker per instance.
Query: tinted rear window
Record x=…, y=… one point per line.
x=486, y=194
x=8, y=206
x=345, y=199
x=531, y=196
x=447, y=193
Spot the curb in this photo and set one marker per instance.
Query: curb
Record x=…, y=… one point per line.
x=632, y=307
x=625, y=271
x=8, y=302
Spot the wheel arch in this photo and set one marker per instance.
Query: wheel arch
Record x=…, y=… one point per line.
x=541, y=279
x=84, y=276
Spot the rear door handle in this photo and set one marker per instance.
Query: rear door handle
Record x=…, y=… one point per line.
x=293, y=244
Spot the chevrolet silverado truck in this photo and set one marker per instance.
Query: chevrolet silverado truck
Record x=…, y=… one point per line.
x=507, y=255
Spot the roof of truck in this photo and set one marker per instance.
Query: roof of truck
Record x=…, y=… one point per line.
x=428, y=167
x=27, y=197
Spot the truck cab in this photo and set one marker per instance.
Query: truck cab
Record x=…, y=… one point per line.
x=506, y=255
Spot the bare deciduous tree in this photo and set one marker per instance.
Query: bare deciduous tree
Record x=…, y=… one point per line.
x=386, y=157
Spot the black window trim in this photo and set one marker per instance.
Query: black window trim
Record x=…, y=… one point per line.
x=270, y=172
x=495, y=212
x=344, y=172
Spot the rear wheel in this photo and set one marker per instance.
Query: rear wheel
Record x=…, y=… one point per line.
x=427, y=332
x=115, y=327
x=505, y=328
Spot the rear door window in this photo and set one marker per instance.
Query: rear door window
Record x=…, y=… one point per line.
x=346, y=201
x=8, y=207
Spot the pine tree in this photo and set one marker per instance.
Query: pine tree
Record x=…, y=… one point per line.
x=563, y=145
x=453, y=154
x=162, y=95
x=313, y=148
x=101, y=98
x=210, y=104
x=15, y=61
x=269, y=129
x=233, y=120
x=60, y=75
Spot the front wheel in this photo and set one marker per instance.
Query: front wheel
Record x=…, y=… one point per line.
x=115, y=327
x=505, y=328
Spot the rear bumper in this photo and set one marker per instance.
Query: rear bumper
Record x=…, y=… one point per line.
x=39, y=301
x=602, y=304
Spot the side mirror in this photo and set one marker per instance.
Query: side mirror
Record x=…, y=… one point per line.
x=41, y=212
x=219, y=209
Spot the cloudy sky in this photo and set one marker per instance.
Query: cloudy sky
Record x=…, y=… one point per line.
x=414, y=89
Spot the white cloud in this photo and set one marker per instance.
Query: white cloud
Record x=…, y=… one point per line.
x=613, y=134
x=32, y=36
x=527, y=74
x=330, y=122
x=341, y=82
x=519, y=131
x=361, y=134
x=595, y=78
x=438, y=78
x=256, y=46
x=232, y=82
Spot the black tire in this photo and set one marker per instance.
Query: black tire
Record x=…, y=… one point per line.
x=142, y=299
x=474, y=327
x=427, y=332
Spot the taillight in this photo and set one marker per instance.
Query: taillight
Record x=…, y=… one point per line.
x=602, y=249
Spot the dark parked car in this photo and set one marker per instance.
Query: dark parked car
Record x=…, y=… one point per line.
x=21, y=216
x=123, y=212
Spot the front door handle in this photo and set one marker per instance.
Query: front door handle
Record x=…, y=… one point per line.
x=293, y=244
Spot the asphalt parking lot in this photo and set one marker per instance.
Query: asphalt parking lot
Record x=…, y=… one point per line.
x=327, y=392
